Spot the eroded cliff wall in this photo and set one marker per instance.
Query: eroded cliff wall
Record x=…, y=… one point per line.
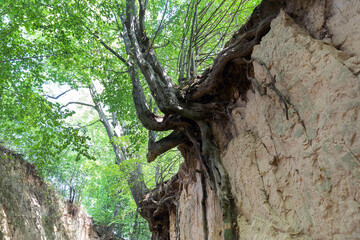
x=30, y=209
x=294, y=163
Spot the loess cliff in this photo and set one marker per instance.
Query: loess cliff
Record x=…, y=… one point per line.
x=290, y=144
x=30, y=209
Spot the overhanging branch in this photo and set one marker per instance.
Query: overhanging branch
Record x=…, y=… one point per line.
x=159, y=147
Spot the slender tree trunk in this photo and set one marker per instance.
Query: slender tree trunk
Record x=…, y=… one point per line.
x=136, y=179
x=113, y=225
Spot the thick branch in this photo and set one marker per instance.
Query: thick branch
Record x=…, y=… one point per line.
x=159, y=147
x=146, y=117
x=142, y=9
x=161, y=86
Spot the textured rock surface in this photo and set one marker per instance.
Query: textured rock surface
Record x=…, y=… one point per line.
x=295, y=178
x=29, y=208
x=313, y=188
x=343, y=25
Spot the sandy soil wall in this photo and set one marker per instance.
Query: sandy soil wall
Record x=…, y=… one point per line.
x=30, y=209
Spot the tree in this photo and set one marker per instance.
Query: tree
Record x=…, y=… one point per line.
x=186, y=113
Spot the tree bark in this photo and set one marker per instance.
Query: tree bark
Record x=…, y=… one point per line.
x=136, y=180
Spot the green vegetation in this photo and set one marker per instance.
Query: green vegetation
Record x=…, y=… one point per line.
x=68, y=69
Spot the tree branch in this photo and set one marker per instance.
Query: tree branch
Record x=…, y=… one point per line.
x=239, y=49
x=143, y=37
x=164, y=144
x=108, y=48
x=61, y=94
x=78, y=103
x=162, y=19
x=161, y=46
x=146, y=117
x=88, y=125
x=161, y=86
x=136, y=179
x=112, y=51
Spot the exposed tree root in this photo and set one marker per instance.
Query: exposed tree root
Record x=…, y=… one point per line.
x=157, y=205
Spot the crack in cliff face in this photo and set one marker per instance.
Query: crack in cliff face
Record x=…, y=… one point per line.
x=284, y=99
x=277, y=222
x=263, y=189
x=204, y=209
